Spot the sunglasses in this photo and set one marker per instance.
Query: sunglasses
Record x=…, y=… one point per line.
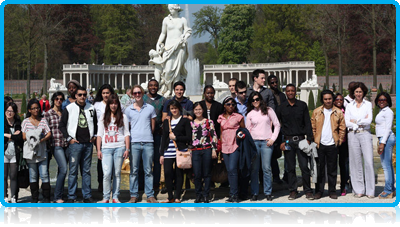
x=256, y=99
x=382, y=100
x=59, y=99
x=242, y=93
x=136, y=93
x=80, y=95
x=230, y=104
x=273, y=82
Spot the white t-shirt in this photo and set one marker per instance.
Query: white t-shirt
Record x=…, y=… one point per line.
x=326, y=134
x=112, y=136
x=100, y=108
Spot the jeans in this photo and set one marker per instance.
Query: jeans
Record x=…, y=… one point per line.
x=386, y=160
x=112, y=160
x=156, y=161
x=80, y=154
x=38, y=168
x=202, y=169
x=144, y=150
x=61, y=158
x=264, y=153
x=232, y=164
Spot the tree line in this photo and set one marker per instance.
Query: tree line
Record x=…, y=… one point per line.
x=340, y=39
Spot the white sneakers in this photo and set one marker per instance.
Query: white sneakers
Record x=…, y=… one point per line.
x=6, y=199
x=13, y=200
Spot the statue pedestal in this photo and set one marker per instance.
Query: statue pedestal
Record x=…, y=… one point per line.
x=305, y=93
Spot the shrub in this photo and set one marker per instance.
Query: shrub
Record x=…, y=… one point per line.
x=311, y=102
x=318, y=99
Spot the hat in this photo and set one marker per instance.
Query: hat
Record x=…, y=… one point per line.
x=75, y=82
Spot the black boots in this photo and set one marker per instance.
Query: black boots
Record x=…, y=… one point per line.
x=46, y=191
x=35, y=192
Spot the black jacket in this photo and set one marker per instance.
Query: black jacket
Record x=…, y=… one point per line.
x=182, y=131
x=247, y=152
x=18, y=141
x=216, y=110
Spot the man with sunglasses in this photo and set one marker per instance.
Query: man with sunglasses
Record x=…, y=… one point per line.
x=258, y=85
x=72, y=86
x=79, y=126
x=241, y=98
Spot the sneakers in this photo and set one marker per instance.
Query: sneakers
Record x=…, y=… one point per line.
x=268, y=197
x=292, y=195
x=133, y=200
x=6, y=199
x=116, y=201
x=152, y=200
x=385, y=195
x=104, y=201
x=13, y=200
x=89, y=200
x=199, y=199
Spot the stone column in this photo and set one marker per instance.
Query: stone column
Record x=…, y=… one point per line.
x=116, y=81
x=138, y=78
x=70, y=76
x=130, y=79
x=123, y=82
x=297, y=77
x=64, y=80
x=103, y=78
x=147, y=78
x=80, y=79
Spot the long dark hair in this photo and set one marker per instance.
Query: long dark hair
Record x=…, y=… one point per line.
x=99, y=97
x=30, y=103
x=176, y=104
x=15, y=109
x=119, y=117
x=387, y=96
x=55, y=95
x=263, y=106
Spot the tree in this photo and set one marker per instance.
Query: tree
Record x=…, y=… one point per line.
x=280, y=33
x=318, y=98
x=236, y=34
x=207, y=20
x=23, y=105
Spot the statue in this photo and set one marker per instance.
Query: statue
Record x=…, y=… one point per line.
x=174, y=51
x=312, y=82
x=56, y=86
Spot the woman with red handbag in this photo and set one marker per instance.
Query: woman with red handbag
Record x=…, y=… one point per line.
x=177, y=134
x=204, y=139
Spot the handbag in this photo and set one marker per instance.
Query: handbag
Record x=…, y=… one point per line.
x=219, y=174
x=183, y=158
x=23, y=174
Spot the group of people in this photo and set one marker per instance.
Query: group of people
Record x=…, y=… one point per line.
x=248, y=131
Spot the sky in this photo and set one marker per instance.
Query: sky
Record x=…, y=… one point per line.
x=192, y=9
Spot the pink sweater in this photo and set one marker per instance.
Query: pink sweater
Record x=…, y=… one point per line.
x=260, y=126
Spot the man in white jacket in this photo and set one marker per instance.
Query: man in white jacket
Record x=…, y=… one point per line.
x=79, y=127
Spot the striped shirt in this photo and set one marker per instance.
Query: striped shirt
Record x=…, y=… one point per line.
x=171, y=151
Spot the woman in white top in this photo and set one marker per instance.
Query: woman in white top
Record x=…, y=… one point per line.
x=387, y=140
x=358, y=120
x=99, y=105
x=36, y=157
x=113, y=138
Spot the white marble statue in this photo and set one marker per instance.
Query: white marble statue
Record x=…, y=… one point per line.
x=219, y=84
x=56, y=86
x=312, y=82
x=174, y=50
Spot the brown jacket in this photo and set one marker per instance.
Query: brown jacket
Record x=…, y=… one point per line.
x=337, y=123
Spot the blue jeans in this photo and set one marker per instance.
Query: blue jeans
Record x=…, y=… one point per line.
x=232, y=164
x=264, y=153
x=112, y=160
x=61, y=158
x=144, y=150
x=80, y=154
x=386, y=161
x=38, y=169
x=202, y=169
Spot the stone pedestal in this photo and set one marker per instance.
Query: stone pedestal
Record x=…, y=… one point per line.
x=305, y=93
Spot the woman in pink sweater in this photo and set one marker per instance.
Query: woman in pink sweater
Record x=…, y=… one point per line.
x=259, y=122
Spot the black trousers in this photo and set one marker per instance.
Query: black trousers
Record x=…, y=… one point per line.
x=169, y=178
x=327, y=156
x=290, y=161
x=344, y=165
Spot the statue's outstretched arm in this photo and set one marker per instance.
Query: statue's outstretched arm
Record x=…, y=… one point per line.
x=162, y=35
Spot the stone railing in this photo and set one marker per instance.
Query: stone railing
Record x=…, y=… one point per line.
x=262, y=65
x=66, y=67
